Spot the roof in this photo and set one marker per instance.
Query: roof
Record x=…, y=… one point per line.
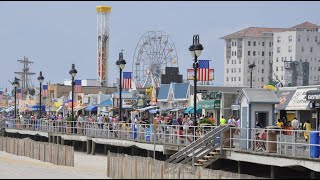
x=306, y=25
x=180, y=90
x=255, y=95
x=253, y=32
x=163, y=91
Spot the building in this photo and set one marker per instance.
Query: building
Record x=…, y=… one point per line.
x=296, y=73
x=299, y=43
x=268, y=49
x=250, y=45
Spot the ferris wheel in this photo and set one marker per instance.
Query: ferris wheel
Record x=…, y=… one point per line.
x=154, y=52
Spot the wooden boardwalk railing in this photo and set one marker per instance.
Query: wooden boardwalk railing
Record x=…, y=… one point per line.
x=134, y=167
x=46, y=152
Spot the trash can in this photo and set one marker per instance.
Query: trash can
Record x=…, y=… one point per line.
x=314, y=139
x=272, y=136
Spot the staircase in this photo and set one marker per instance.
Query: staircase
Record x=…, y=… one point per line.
x=203, y=151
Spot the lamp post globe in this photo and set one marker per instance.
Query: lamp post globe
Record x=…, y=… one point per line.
x=40, y=79
x=121, y=63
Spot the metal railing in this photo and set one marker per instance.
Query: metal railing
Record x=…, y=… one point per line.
x=276, y=142
x=165, y=134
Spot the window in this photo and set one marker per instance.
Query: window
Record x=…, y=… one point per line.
x=227, y=79
x=310, y=49
x=307, y=38
x=235, y=53
x=318, y=68
x=262, y=53
x=290, y=38
x=302, y=49
x=231, y=78
x=239, y=61
x=227, y=70
x=235, y=70
x=227, y=61
x=239, y=79
x=298, y=38
x=232, y=70
x=249, y=43
x=262, y=79
x=248, y=61
x=278, y=39
x=281, y=77
x=232, y=62
x=248, y=53
x=277, y=59
x=269, y=53
x=316, y=39
x=281, y=68
x=254, y=53
x=277, y=68
x=263, y=42
x=269, y=44
x=262, y=70
x=235, y=43
x=262, y=62
x=290, y=49
x=278, y=49
x=281, y=59
x=254, y=43
x=231, y=43
x=240, y=69
x=285, y=58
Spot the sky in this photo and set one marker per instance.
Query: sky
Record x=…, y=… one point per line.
x=56, y=34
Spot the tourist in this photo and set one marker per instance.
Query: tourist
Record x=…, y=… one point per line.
x=231, y=121
x=307, y=128
x=222, y=121
x=279, y=123
x=212, y=120
x=100, y=121
x=295, y=126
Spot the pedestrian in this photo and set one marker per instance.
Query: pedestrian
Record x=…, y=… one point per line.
x=222, y=121
x=100, y=121
x=307, y=128
x=231, y=121
x=295, y=126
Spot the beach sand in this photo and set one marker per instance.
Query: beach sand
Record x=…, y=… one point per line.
x=86, y=167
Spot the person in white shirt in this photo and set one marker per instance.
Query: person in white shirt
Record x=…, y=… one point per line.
x=295, y=125
x=231, y=121
x=100, y=122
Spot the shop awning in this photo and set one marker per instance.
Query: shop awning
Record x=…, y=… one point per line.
x=189, y=110
x=284, y=98
x=146, y=108
x=153, y=111
x=37, y=108
x=91, y=108
x=209, y=104
x=165, y=109
x=299, y=101
x=105, y=103
x=178, y=109
x=59, y=109
x=10, y=109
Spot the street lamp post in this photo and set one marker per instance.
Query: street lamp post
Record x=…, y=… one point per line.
x=195, y=50
x=16, y=84
x=73, y=72
x=40, y=79
x=251, y=66
x=121, y=63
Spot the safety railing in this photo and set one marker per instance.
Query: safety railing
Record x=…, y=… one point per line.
x=163, y=134
x=280, y=142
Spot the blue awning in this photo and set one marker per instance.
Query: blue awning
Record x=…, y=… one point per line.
x=153, y=111
x=91, y=108
x=37, y=108
x=189, y=110
x=105, y=103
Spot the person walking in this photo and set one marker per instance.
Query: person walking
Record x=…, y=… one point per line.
x=307, y=128
x=222, y=121
x=295, y=126
x=231, y=121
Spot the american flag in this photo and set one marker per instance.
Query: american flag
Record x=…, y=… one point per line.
x=127, y=80
x=77, y=86
x=19, y=93
x=203, y=70
x=45, y=90
x=1, y=94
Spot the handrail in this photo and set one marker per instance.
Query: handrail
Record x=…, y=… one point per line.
x=199, y=142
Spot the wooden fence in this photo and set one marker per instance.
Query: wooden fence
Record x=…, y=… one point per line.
x=43, y=151
x=135, y=167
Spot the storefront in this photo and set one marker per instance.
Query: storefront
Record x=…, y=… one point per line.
x=314, y=97
x=284, y=98
x=300, y=105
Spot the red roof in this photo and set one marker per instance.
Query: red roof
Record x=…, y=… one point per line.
x=306, y=25
x=253, y=32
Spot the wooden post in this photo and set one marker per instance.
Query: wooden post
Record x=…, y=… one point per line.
x=272, y=172
x=65, y=155
x=93, y=151
x=108, y=164
x=161, y=170
x=136, y=168
x=88, y=147
x=62, y=141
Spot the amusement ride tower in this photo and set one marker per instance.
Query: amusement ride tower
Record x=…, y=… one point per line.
x=103, y=14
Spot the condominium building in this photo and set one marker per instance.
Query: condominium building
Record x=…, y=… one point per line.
x=300, y=43
x=268, y=49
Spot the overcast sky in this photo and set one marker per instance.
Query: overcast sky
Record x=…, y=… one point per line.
x=56, y=34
